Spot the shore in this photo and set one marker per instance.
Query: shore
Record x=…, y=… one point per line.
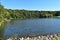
x=1, y=22
x=48, y=37
x=5, y=20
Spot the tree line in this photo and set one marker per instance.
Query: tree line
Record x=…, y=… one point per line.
x=25, y=14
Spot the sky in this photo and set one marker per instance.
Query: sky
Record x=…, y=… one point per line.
x=32, y=4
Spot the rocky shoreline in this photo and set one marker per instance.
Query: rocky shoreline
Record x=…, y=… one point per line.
x=48, y=37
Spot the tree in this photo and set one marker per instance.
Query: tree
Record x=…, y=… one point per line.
x=57, y=13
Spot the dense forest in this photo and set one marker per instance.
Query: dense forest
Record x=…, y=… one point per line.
x=26, y=14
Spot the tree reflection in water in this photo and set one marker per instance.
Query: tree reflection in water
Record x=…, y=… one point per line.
x=2, y=28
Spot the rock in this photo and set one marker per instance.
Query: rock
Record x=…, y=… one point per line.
x=9, y=39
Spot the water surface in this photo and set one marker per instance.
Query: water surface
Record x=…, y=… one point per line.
x=33, y=27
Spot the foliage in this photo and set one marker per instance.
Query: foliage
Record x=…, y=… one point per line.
x=25, y=14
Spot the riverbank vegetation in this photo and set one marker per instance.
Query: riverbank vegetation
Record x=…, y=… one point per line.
x=8, y=14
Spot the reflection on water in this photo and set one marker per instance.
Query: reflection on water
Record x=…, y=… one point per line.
x=2, y=27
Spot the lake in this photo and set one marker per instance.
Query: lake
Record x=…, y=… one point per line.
x=32, y=27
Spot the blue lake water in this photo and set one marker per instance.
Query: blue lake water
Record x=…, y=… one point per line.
x=33, y=27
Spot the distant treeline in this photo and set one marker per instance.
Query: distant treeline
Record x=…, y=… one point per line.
x=25, y=14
